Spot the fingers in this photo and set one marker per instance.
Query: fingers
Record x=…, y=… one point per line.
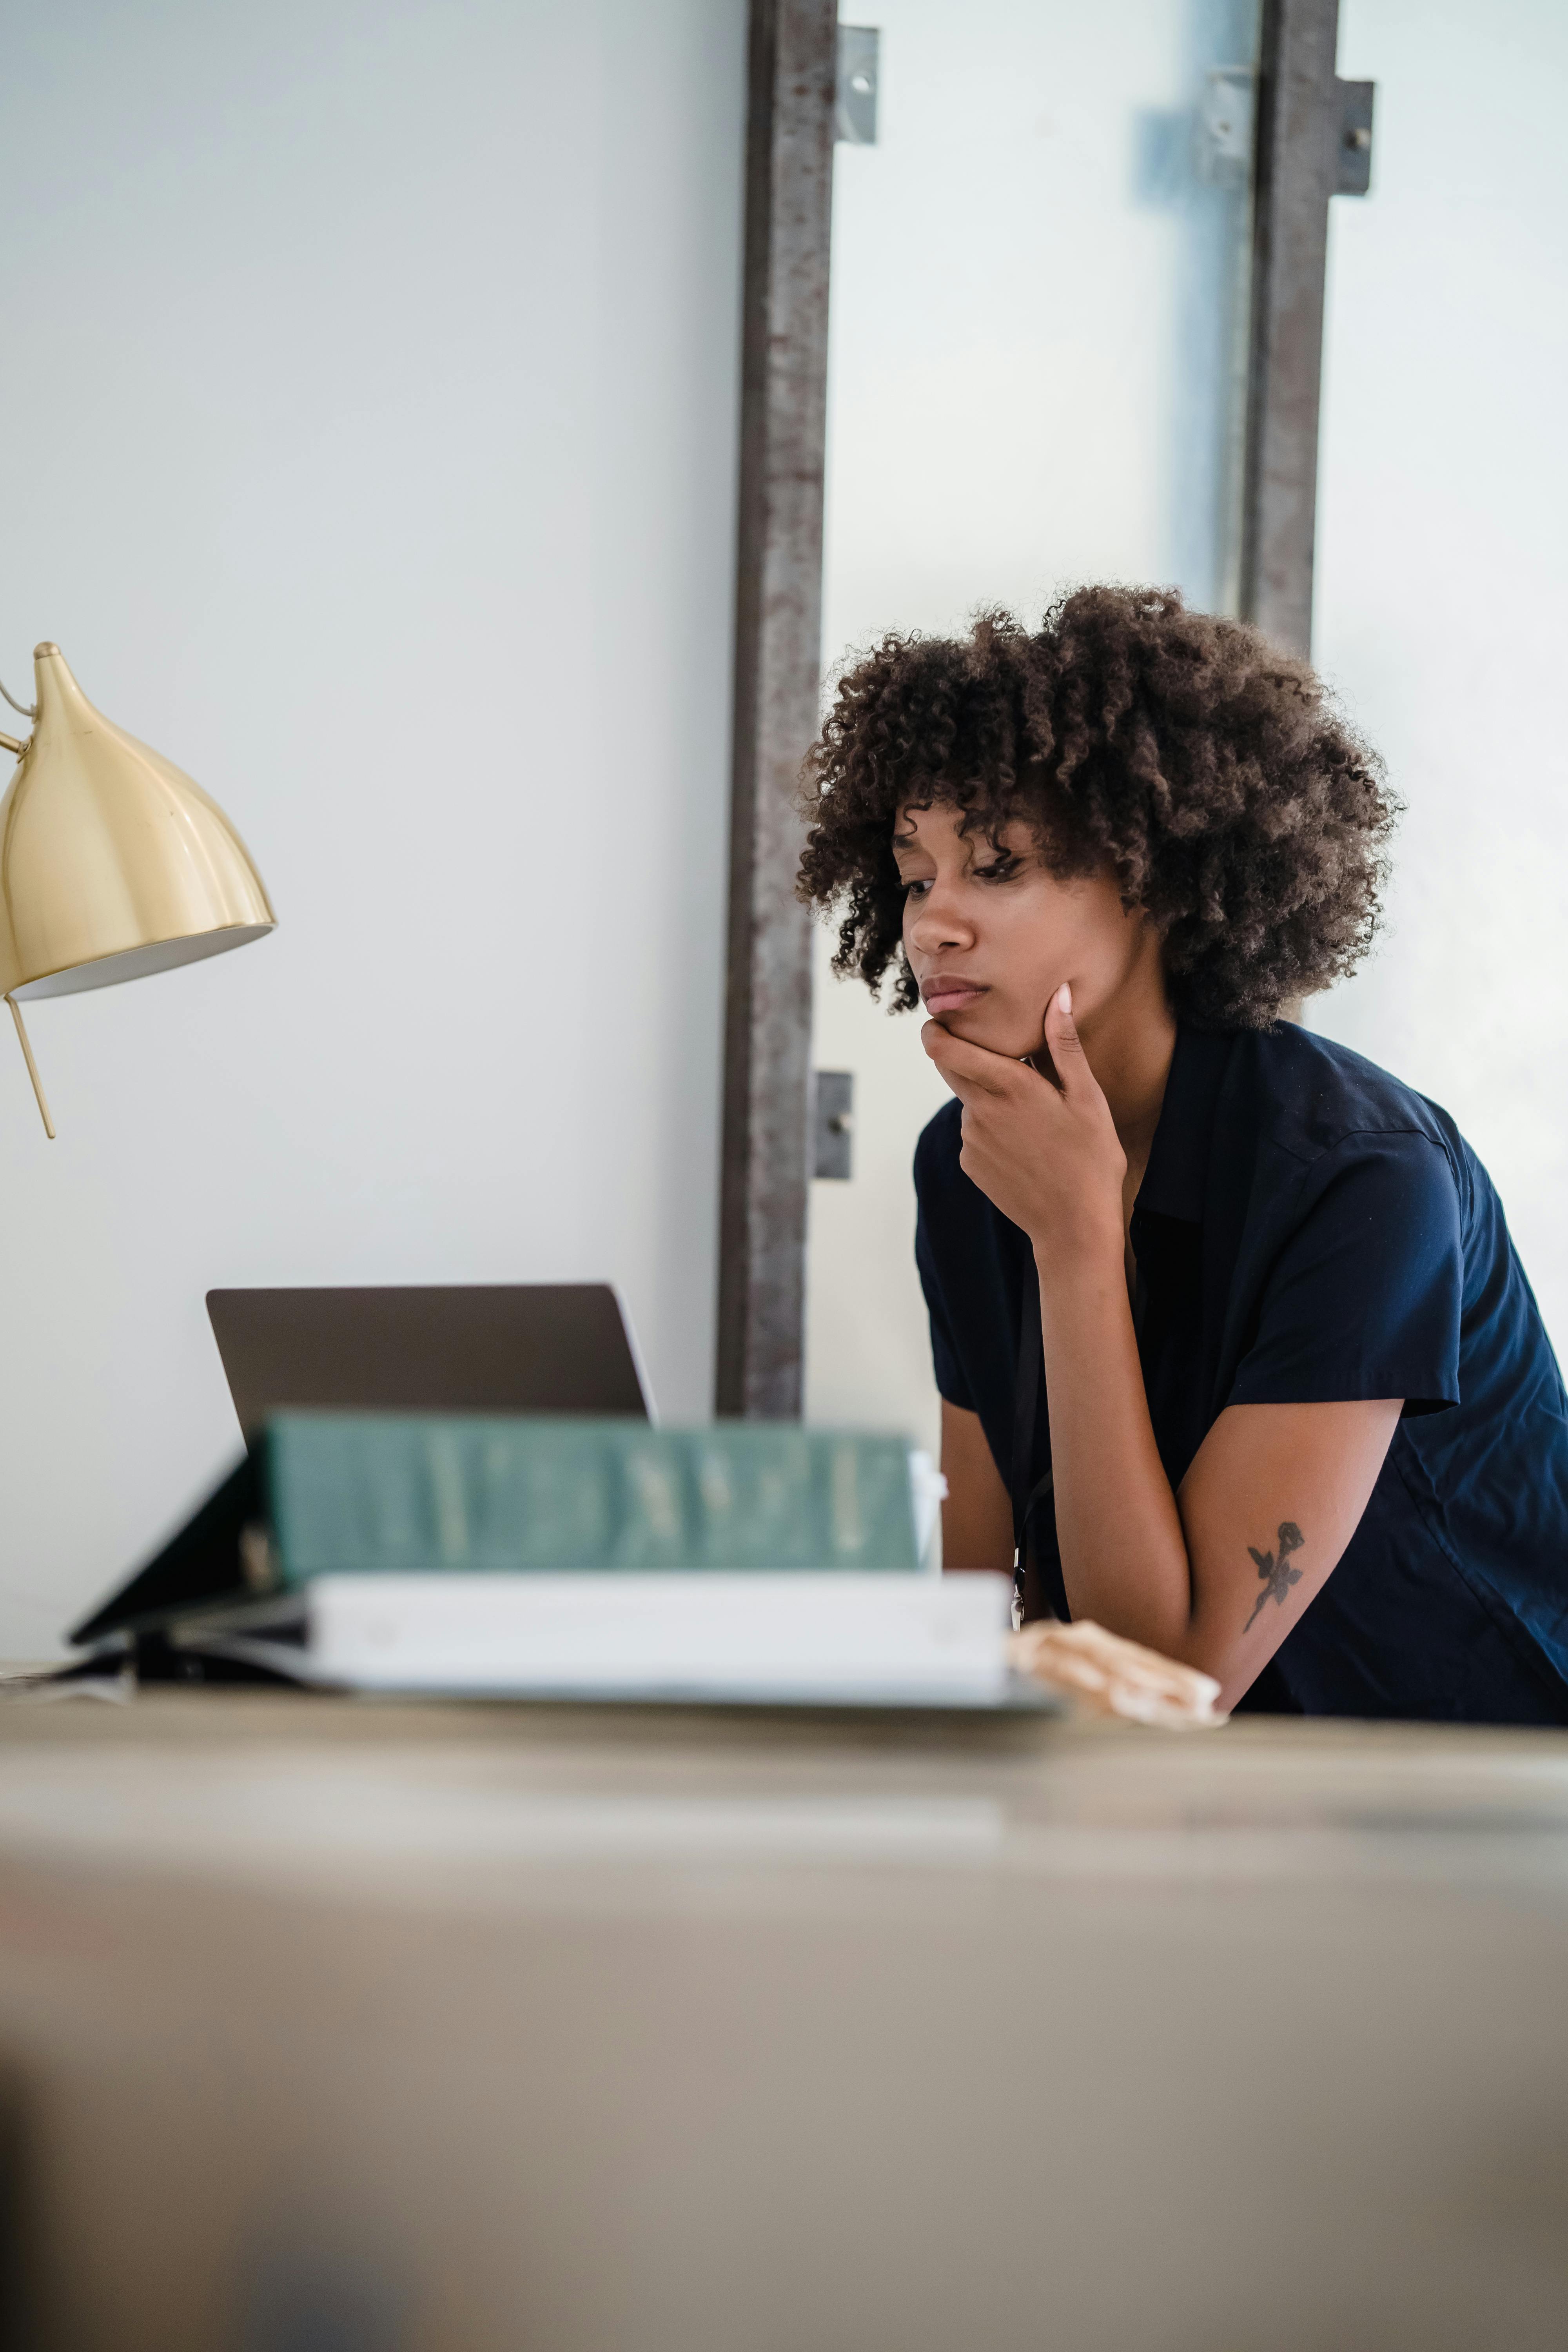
x=968, y=1069
x=1062, y=1039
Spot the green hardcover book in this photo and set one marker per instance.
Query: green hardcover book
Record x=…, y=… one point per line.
x=371, y=1493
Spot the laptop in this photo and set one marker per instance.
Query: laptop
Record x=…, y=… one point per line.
x=542, y=1347
x=558, y=1347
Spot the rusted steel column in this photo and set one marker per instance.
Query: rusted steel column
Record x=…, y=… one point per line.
x=767, y=1046
x=1297, y=172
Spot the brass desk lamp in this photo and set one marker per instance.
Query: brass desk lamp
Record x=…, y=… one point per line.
x=112, y=863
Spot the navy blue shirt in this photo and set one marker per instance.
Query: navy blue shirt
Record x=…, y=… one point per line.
x=1309, y=1229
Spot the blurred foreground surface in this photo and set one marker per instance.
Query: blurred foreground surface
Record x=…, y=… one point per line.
x=336, y=2027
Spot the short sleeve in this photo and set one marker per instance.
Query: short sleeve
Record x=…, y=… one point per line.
x=1364, y=1297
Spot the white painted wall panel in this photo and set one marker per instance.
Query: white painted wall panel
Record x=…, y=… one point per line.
x=1023, y=394
x=370, y=421
x=1442, y=594
x=1034, y=340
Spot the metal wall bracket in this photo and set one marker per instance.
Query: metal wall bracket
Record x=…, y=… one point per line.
x=859, y=59
x=1226, y=135
x=832, y=1125
x=1353, y=176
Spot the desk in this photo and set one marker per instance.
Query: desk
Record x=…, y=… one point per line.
x=435, y=2030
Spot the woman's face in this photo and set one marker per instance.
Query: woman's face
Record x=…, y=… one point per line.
x=991, y=934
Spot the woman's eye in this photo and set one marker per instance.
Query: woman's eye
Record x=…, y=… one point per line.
x=1001, y=871
x=912, y=888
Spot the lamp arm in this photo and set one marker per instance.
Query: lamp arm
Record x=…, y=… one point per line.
x=9, y=742
x=32, y=1067
x=27, y=709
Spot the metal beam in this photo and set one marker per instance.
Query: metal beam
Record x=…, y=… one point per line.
x=1297, y=172
x=784, y=417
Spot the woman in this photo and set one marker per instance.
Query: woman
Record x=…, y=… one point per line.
x=1235, y=1352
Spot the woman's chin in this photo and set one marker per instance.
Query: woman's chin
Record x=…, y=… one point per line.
x=994, y=1031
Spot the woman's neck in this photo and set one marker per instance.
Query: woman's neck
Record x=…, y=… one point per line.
x=1129, y=1048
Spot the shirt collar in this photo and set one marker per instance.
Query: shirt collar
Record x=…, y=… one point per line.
x=1176, y=1179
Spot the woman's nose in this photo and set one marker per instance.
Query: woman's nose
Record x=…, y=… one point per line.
x=935, y=922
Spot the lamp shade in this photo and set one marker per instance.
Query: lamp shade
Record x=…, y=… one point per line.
x=112, y=863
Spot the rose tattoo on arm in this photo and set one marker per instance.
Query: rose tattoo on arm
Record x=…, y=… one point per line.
x=1278, y=1577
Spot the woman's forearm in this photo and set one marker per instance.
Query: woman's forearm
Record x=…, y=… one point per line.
x=1124, y=1555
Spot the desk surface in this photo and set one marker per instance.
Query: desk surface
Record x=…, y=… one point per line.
x=491, y=2026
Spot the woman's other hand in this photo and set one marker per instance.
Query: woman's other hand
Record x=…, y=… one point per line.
x=1047, y=1154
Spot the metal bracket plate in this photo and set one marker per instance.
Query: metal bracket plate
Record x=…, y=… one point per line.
x=1227, y=126
x=1353, y=149
x=832, y=1125
x=858, y=60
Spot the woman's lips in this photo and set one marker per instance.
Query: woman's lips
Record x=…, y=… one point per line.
x=946, y=993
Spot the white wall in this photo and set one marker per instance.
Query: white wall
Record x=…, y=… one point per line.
x=369, y=414
x=1442, y=606
x=1022, y=394
x=1030, y=385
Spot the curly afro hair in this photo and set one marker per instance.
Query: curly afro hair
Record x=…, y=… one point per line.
x=1205, y=767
